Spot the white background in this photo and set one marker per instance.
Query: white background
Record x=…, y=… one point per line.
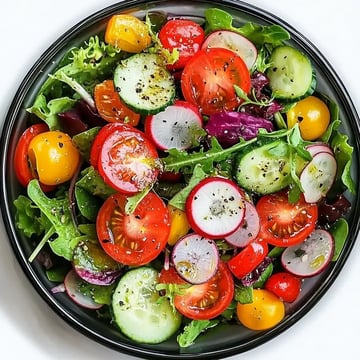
x=27, y=325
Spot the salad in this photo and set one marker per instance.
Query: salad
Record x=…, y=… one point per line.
x=181, y=174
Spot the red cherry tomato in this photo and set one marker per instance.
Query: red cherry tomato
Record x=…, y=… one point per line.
x=209, y=77
x=22, y=166
x=184, y=35
x=284, y=223
x=171, y=276
x=110, y=107
x=133, y=239
x=248, y=259
x=284, y=285
x=207, y=300
x=125, y=158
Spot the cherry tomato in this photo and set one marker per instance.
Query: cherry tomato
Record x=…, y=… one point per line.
x=248, y=259
x=209, y=77
x=284, y=223
x=96, y=146
x=179, y=224
x=171, y=276
x=23, y=170
x=207, y=300
x=125, y=158
x=284, y=285
x=127, y=33
x=133, y=239
x=184, y=35
x=312, y=115
x=110, y=106
x=54, y=156
x=266, y=311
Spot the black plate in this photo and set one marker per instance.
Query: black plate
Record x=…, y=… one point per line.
x=221, y=341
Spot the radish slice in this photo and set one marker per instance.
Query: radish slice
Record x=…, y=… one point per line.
x=195, y=258
x=72, y=284
x=249, y=228
x=314, y=149
x=234, y=42
x=311, y=256
x=318, y=176
x=215, y=207
x=175, y=127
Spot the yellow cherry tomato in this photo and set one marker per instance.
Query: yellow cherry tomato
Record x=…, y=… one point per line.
x=312, y=115
x=128, y=33
x=54, y=157
x=266, y=311
x=179, y=225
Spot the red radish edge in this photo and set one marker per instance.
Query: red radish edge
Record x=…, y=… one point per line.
x=311, y=256
x=215, y=207
x=249, y=228
x=72, y=282
x=318, y=176
x=235, y=42
x=174, y=126
x=195, y=258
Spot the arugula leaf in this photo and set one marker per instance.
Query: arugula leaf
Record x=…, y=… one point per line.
x=179, y=199
x=193, y=329
x=83, y=141
x=182, y=160
x=57, y=210
x=92, y=182
x=217, y=19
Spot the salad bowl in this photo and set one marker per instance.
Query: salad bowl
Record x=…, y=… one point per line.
x=221, y=341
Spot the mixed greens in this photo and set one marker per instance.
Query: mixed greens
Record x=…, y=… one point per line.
x=246, y=147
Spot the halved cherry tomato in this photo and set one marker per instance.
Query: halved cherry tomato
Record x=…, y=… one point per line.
x=171, y=276
x=96, y=146
x=184, y=35
x=284, y=223
x=110, y=106
x=23, y=171
x=248, y=259
x=284, y=285
x=209, y=77
x=266, y=311
x=133, y=239
x=125, y=158
x=208, y=300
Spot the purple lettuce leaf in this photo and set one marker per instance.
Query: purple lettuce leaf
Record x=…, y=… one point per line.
x=229, y=126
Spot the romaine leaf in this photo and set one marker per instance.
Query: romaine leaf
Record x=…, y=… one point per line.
x=340, y=231
x=217, y=19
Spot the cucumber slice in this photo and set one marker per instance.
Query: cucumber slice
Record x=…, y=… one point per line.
x=144, y=84
x=291, y=74
x=137, y=309
x=265, y=169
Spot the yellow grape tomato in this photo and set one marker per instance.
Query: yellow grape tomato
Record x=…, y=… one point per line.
x=54, y=157
x=266, y=311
